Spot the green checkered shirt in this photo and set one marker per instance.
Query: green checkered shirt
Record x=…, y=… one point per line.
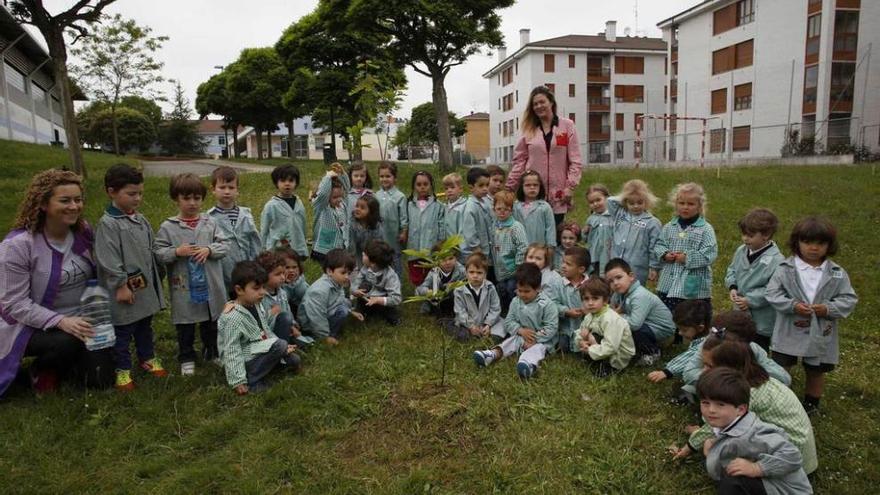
x=239, y=339
x=508, y=248
x=693, y=279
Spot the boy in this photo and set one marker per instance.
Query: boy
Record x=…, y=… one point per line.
x=324, y=307
x=192, y=245
x=127, y=268
x=275, y=304
x=376, y=285
x=439, y=278
x=751, y=268
x=496, y=183
x=476, y=218
x=454, y=204
x=283, y=221
x=649, y=319
x=477, y=307
x=575, y=263
x=604, y=337
x=235, y=222
x=248, y=349
x=531, y=325
x=509, y=245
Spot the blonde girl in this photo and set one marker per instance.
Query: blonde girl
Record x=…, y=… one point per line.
x=551, y=281
x=636, y=230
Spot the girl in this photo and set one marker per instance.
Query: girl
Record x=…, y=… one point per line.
x=551, y=281
x=693, y=319
x=810, y=294
x=375, y=285
x=392, y=210
x=361, y=183
x=535, y=214
x=365, y=225
x=569, y=236
x=598, y=229
x=635, y=229
x=425, y=216
x=295, y=283
x=331, y=220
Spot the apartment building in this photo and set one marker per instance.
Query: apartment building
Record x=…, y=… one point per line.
x=601, y=82
x=764, y=70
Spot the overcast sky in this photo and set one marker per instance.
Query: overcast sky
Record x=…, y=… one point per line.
x=207, y=33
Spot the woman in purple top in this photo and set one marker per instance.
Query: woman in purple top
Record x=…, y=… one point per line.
x=45, y=262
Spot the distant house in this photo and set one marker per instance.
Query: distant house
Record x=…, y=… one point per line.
x=215, y=136
x=475, y=140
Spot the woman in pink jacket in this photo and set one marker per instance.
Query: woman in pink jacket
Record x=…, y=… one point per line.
x=548, y=145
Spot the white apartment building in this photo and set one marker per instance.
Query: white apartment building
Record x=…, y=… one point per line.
x=602, y=82
x=764, y=68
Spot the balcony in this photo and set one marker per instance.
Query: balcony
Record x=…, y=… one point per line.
x=599, y=74
x=630, y=99
x=845, y=45
x=599, y=103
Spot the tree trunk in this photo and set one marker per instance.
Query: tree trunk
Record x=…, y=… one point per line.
x=234, y=141
x=115, y=128
x=58, y=52
x=332, y=134
x=269, y=144
x=441, y=108
x=289, y=125
x=259, y=144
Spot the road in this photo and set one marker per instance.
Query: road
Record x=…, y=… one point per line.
x=199, y=167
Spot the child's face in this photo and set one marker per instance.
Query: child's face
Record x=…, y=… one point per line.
x=286, y=186
x=570, y=269
x=338, y=275
x=755, y=240
x=594, y=304
x=365, y=260
x=721, y=414
x=422, y=187
x=448, y=264
x=526, y=293
x=361, y=210
x=688, y=205
x=619, y=280
x=226, y=193
x=358, y=178
x=689, y=332
x=635, y=205
x=336, y=197
x=453, y=192
x=189, y=205
x=567, y=239
x=291, y=270
x=386, y=178
x=496, y=182
x=708, y=364
x=128, y=198
x=531, y=187
x=537, y=256
x=276, y=277
x=597, y=202
x=480, y=187
x=251, y=294
x=813, y=252
x=502, y=211
x=475, y=275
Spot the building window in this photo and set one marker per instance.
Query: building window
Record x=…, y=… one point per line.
x=742, y=96
x=814, y=33
x=744, y=54
x=742, y=138
x=842, y=79
x=735, y=14
x=507, y=102
x=571, y=61
x=719, y=101
x=571, y=117
x=717, y=138
x=516, y=68
x=221, y=140
x=15, y=78
x=629, y=94
x=319, y=143
x=618, y=122
x=37, y=93
x=811, y=81
x=745, y=12
x=846, y=32
x=305, y=126
x=549, y=62
x=808, y=126
x=517, y=95
x=629, y=65
x=571, y=90
x=507, y=76
x=618, y=152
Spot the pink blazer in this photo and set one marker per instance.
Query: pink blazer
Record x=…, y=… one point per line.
x=560, y=169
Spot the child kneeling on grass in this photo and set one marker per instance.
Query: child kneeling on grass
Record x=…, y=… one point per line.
x=438, y=279
x=604, y=337
x=693, y=319
x=248, y=348
x=376, y=285
x=477, y=305
x=325, y=307
x=531, y=325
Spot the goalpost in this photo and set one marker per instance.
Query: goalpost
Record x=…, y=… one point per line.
x=640, y=144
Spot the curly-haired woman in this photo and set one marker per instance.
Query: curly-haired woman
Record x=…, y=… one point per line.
x=45, y=262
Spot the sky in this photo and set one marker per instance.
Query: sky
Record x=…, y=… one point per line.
x=208, y=33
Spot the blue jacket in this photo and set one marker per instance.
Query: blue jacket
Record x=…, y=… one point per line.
x=281, y=225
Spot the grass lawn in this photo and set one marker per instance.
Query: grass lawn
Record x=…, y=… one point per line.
x=370, y=416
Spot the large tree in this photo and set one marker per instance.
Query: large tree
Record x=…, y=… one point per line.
x=433, y=37
x=96, y=128
x=53, y=28
x=212, y=98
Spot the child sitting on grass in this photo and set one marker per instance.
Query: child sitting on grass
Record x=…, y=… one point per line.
x=477, y=306
x=449, y=271
x=693, y=319
x=325, y=307
x=376, y=285
x=275, y=302
x=295, y=284
x=604, y=338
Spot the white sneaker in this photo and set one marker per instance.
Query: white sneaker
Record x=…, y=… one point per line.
x=484, y=358
x=188, y=368
x=649, y=359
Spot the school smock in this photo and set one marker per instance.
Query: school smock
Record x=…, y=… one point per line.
x=472, y=313
x=601, y=231
x=279, y=298
x=392, y=209
x=811, y=337
x=452, y=217
x=690, y=371
x=537, y=219
x=693, y=279
x=551, y=285
x=384, y=283
x=570, y=298
x=425, y=224
x=540, y=315
x=558, y=254
x=642, y=307
x=476, y=228
x=634, y=239
x=354, y=195
x=616, y=346
x=751, y=281
x=677, y=366
x=244, y=241
x=358, y=237
x=297, y=290
x=330, y=228
x=282, y=225
x=509, y=246
x=433, y=281
x=240, y=338
x=323, y=298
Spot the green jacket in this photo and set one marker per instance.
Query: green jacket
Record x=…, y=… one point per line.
x=476, y=228
x=599, y=238
x=616, y=345
x=244, y=241
x=751, y=279
x=538, y=221
x=540, y=315
x=240, y=338
x=509, y=246
x=452, y=217
x=642, y=307
x=392, y=209
x=570, y=298
x=280, y=225
x=690, y=371
x=322, y=298
x=693, y=279
x=425, y=226
x=331, y=227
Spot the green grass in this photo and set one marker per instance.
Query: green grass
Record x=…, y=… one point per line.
x=370, y=416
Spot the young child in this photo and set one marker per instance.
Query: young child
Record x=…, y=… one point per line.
x=361, y=183
x=295, y=284
x=365, y=226
x=376, y=285
x=454, y=205
x=127, y=268
x=648, y=318
x=747, y=454
x=192, y=245
x=476, y=218
x=275, y=303
x=235, y=222
x=425, y=216
x=576, y=262
x=569, y=237
x=248, y=349
x=599, y=228
x=331, y=216
x=810, y=293
x=283, y=220
x=496, y=183
x=395, y=221
x=530, y=326
x=325, y=307
x=438, y=279
x=535, y=214
x=750, y=270
x=508, y=247
x=693, y=318
x=604, y=338
x=477, y=306
x=636, y=230
x=551, y=281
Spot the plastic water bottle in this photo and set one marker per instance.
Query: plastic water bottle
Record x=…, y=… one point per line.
x=198, y=282
x=95, y=307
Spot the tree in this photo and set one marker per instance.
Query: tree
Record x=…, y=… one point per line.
x=255, y=84
x=212, y=98
x=433, y=37
x=95, y=123
x=117, y=62
x=421, y=130
x=179, y=135
x=53, y=28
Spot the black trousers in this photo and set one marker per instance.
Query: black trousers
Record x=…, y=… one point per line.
x=741, y=485
x=58, y=351
x=186, y=339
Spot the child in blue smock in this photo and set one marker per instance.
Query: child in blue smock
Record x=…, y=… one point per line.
x=533, y=212
x=425, y=215
x=636, y=230
x=395, y=221
x=598, y=229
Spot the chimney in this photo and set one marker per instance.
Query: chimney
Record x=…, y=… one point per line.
x=611, y=31
x=524, y=37
x=502, y=53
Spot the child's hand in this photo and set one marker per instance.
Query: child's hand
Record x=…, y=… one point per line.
x=574, y=313
x=228, y=307
x=475, y=331
x=821, y=310
x=681, y=258
x=358, y=293
x=403, y=237
x=291, y=349
x=689, y=429
x=332, y=340
x=376, y=301
x=707, y=446
x=584, y=346
x=200, y=254
x=591, y=340
x=336, y=167
x=485, y=330
x=275, y=310
x=744, y=467
x=585, y=232
x=803, y=309
x=241, y=389
x=294, y=331
x=656, y=376
x=652, y=275
x=679, y=452
x=734, y=295
x=528, y=334
x=124, y=295
x=669, y=257
x=185, y=251
x=742, y=304
x=618, y=309
x=357, y=316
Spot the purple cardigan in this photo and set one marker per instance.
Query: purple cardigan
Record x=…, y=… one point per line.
x=30, y=272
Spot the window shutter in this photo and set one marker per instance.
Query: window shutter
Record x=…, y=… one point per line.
x=742, y=137
x=719, y=101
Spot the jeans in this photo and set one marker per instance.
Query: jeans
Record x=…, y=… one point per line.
x=262, y=364
x=281, y=329
x=142, y=332
x=58, y=351
x=186, y=338
x=391, y=314
x=506, y=293
x=337, y=319
x=645, y=341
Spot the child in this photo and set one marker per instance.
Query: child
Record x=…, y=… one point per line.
x=476, y=218
x=496, y=183
x=810, y=293
x=635, y=229
x=324, y=308
x=477, y=306
x=283, y=220
x=235, y=222
x=551, y=281
x=279, y=316
x=438, y=279
x=686, y=249
x=191, y=244
x=361, y=183
x=127, y=268
x=569, y=237
x=393, y=211
x=248, y=350
x=535, y=214
x=331, y=229
x=531, y=324
x=751, y=268
x=648, y=318
x=365, y=226
x=454, y=205
x=508, y=247
x=604, y=338
x=747, y=455
x=599, y=228
x=575, y=264
x=295, y=284
x=425, y=216
x=376, y=285
x=693, y=318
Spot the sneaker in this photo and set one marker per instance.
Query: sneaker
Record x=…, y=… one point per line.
x=154, y=367
x=124, y=383
x=188, y=368
x=484, y=358
x=526, y=370
x=603, y=370
x=44, y=382
x=811, y=408
x=649, y=359
x=681, y=398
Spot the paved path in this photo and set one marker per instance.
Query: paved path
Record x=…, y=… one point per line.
x=202, y=167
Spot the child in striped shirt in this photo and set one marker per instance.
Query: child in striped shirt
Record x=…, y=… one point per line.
x=236, y=222
x=508, y=247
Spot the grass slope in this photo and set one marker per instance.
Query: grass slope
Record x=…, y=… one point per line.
x=370, y=416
